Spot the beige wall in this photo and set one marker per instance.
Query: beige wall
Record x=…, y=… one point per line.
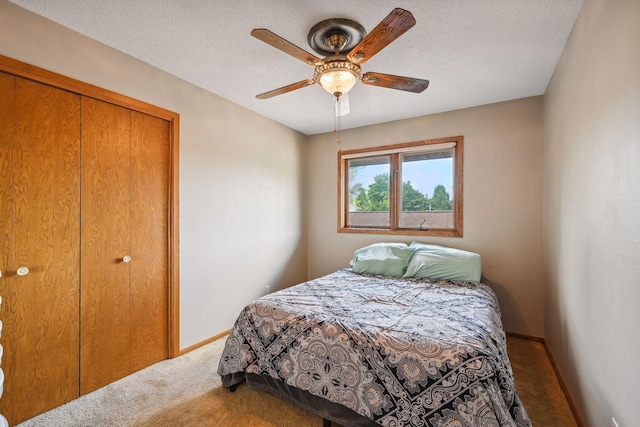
x=592, y=212
x=228, y=254
x=502, y=198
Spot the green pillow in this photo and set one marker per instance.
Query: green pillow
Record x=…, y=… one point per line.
x=388, y=259
x=439, y=262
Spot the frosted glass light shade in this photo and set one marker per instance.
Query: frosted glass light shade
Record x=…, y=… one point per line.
x=338, y=81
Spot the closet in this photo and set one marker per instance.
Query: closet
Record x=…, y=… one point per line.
x=40, y=195
x=87, y=240
x=124, y=238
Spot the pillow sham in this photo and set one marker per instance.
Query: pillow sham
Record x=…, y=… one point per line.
x=388, y=259
x=440, y=262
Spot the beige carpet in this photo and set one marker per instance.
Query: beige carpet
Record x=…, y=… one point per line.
x=538, y=385
x=186, y=392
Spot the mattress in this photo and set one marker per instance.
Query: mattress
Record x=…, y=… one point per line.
x=374, y=350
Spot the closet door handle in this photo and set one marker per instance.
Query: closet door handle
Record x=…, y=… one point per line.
x=126, y=258
x=22, y=271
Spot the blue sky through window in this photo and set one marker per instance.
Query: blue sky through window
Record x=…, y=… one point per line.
x=424, y=174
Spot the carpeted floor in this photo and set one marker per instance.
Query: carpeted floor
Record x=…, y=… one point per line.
x=538, y=385
x=186, y=392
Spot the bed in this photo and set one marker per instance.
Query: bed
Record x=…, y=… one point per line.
x=366, y=349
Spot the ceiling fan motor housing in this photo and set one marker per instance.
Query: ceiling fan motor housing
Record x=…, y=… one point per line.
x=326, y=35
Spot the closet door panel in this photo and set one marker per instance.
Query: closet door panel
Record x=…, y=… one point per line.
x=7, y=198
x=7, y=219
x=44, y=301
x=149, y=240
x=106, y=200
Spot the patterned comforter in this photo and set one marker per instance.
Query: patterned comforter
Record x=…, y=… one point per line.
x=401, y=352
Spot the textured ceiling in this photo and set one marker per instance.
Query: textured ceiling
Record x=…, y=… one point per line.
x=473, y=52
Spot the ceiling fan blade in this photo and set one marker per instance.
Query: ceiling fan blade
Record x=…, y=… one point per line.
x=398, y=22
x=408, y=84
x=285, y=46
x=341, y=105
x=285, y=89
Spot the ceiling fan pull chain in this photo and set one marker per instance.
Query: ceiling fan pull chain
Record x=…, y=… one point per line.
x=337, y=117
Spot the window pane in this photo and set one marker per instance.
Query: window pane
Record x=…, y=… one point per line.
x=369, y=192
x=427, y=190
x=405, y=188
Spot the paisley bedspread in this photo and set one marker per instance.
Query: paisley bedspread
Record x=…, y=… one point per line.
x=401, y=352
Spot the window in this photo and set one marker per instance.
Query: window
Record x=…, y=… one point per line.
x=412, y=188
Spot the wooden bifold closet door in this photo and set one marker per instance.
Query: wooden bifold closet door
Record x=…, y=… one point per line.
x=124, y=305
x=39, y=199
x=86, y=202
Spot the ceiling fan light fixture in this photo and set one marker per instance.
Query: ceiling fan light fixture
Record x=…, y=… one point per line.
x=337, y=76
x=347, y=46
x=338, y=81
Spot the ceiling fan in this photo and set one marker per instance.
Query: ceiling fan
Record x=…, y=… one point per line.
x=346, y=46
